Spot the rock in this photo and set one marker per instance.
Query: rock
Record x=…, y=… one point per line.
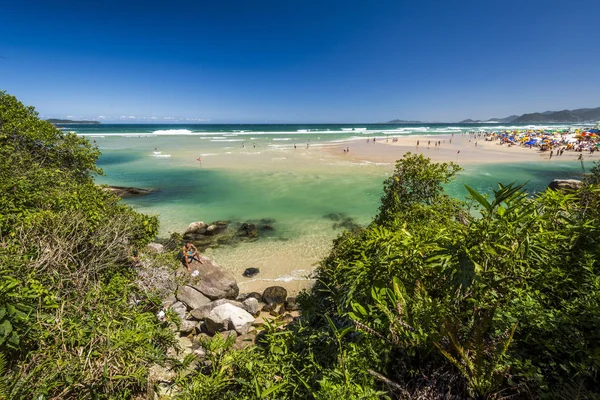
x=287, y=318
x=180, y=309
x=226, y=334
x=254, y=295
x=227, y=316
x=247, y=229
x=213, y=281
x=269, y=307
x=274, y=313
x=155, y=248
x=244, y=341
x=216, y=227
x=124, y=191
x=198, y=227
x=281, y=310
x=187, y=326
x=251, y=305
x=202, y=312
x=274, y=294
x=291, y=304
x=169, y=301
x=250, y=272
x=191, y=296
x=565, y=184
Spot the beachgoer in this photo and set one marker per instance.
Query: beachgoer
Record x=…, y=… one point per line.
x=551, y=154
x=580, y=157
x=347, y=149
x=190, y=253
x=294, y=145
x=417, y=143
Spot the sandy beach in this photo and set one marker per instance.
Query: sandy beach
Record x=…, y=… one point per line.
x=460, y=149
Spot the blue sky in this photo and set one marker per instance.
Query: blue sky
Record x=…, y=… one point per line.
x=299, y=61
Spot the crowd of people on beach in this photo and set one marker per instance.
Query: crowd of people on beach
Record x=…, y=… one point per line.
x=556, y=142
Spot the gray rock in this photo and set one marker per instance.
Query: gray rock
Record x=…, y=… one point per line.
x=227, y=316
x=198, y=227
x=274, y=294
x=187, y=326
x=191, y=296
x=155, y=248
x=565, y=184
x=213, y=281
x=269, y=307
x=180, y=309
x=202, y=312
x=251, y=305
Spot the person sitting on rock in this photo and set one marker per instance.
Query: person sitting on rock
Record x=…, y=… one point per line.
x=190, y=253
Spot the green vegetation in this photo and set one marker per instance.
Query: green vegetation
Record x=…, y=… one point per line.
x=437, y=298
x=69, y=323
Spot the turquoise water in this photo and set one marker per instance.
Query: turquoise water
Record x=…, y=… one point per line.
x=258, y=174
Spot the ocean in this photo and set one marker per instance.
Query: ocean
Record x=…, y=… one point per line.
x=279, y=172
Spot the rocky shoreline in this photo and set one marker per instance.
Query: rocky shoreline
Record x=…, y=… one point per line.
x=206, y=301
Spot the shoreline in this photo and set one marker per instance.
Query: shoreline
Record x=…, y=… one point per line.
x=462, y=150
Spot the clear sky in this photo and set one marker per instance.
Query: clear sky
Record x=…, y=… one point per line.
x=294, y=61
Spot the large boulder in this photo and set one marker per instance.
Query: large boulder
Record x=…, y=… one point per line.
x=226, y=317
x=198, y=227
x=191, y=296
x=565, y=184
x=202, y=312
x=274, y=295
x=213, y=281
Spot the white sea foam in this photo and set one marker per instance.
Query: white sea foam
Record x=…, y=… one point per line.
x=173, y=132
x=287, y=138
x=226, y=140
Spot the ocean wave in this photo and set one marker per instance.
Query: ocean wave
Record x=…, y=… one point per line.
x=173, y=132
x=287, y=138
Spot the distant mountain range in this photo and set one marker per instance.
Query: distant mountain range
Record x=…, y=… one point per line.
x=69, y=122
x=578, y=115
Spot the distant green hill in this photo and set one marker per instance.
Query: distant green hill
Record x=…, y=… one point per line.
x=578, y=115
x=68, y=121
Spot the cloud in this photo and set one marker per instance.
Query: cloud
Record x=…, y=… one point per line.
x=103, y=117
x=128, y=117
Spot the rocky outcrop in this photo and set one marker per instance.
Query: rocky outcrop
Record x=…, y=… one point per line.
x=124, y=191
x=565, y=184
x=212, y=281
x=220, y=233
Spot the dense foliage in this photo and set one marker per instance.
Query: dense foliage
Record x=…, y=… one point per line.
x=69, y=325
